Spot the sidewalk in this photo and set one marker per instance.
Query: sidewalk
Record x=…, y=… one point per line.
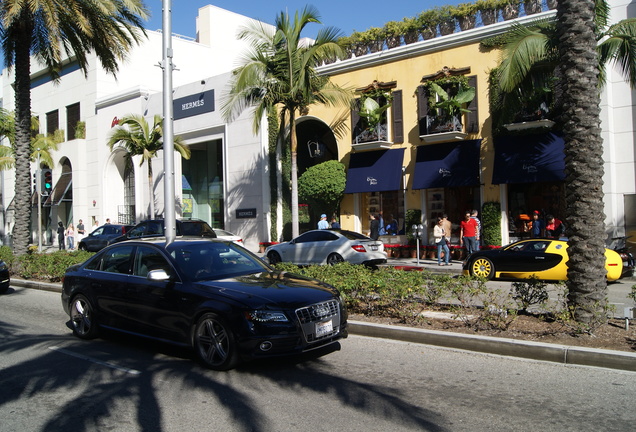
x=484, y=344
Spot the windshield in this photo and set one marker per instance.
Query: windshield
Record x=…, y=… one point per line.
x=215, y=260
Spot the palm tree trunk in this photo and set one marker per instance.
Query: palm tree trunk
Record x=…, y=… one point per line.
x=294, y=174
x=22, y=199
x=587, y=282
x=151, y=191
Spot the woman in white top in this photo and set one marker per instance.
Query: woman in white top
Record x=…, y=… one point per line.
x=439, y=234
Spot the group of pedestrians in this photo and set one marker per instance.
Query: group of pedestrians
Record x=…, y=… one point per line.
x=66, y=236
x=551, y=227
x=469, y=235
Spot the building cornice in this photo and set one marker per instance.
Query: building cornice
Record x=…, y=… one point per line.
x=128, y=94
x=422, y=47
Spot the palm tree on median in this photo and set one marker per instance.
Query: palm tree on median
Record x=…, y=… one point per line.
x=278, y=72
x=135, y=135
x=48, y=30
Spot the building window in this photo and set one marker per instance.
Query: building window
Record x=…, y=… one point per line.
x=370, y=119
x=52, y=122
x=72, y=118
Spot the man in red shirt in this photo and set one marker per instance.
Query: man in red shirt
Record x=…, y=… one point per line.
x=468, y=233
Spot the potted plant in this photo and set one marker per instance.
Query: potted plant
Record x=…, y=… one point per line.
x=393, y=31
x=446, y=20
x=465, y=14
x=358, y=44
x=80, y=130
x=449, y=106
x=488, y=11
x=410, y=28
x=509, y=8
x=373, y=38
x=374, y=116
x=428, y=21
x=532, y=6
x=347, y=45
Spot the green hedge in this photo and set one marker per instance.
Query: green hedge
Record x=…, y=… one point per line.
x=42, y=266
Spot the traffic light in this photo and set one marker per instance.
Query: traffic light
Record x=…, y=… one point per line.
x=47, y=181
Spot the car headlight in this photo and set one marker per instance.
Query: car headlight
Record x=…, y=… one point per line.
x=3, y=266
x=266, y=316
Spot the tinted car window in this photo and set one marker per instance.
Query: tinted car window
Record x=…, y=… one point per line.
x=215, y=261
x=148, y=259
x=354, y=235
x=310, y=236
x=117, y=260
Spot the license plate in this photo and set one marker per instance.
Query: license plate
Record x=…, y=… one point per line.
x=374, y=248
x=324, y=328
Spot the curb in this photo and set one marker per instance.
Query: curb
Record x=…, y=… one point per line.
x=485, y=344
x=500, y=346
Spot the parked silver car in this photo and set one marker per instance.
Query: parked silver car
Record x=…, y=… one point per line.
x=328, y=247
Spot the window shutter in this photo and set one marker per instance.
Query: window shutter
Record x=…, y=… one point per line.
x=398, y=117
x=52, y=122
x=356, y=123
x=472, y=120
x=422, y=110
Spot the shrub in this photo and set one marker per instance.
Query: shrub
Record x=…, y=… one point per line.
x=48, y=266
x=491, y=223
x=530, y=292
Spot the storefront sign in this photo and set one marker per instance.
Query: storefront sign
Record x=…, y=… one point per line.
x=246, y=213
x=193, y=105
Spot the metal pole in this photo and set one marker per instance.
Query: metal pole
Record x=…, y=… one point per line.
x=38, y=187
x=168, y=132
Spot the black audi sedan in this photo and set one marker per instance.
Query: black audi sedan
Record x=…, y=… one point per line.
x=213, y=296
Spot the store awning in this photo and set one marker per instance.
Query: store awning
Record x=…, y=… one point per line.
x=447, y=165
x=62, y=190
x=375, y=171
x=529, y=158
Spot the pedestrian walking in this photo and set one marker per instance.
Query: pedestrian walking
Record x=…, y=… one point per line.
x=60, y=236
x=468, y=233
x=439, y=234
x=70, y=236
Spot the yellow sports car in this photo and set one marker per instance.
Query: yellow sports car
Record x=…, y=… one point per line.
x=543, y=258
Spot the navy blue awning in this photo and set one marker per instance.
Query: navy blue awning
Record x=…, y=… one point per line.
x=447, y=165
x=529, y=158
x=375, y=171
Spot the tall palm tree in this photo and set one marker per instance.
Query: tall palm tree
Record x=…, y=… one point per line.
x=135, y=135
x=587, y=284
x=48, y=30
x=278, y=72
x=531, y=51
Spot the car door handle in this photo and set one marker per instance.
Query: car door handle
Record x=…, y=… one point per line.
x=539, y=257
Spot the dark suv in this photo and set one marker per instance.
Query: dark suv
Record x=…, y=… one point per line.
x=155, y=228
x=102, y=237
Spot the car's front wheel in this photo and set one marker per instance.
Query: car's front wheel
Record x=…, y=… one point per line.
x=274, y=258
x=214, y=343
x=482, y=267
x=83, y=318
x=334, y=258
x=82, y=246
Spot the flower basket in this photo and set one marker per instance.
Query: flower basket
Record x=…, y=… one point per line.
x=406, y=251
x=510, y=11
x=447, y=27
x=428, y=33
x=431, y=252
x=413, y=252
x=467, y=22
x=393, y=41
x=488, y=16
x=410, y=37
x=532, y=6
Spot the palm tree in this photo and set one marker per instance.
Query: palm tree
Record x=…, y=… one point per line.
x=587, y=285
x=279, y=72
x=48, y=30
x=531, y=52
x=135, y=135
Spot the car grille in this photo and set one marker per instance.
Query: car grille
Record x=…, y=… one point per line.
x=314, y=320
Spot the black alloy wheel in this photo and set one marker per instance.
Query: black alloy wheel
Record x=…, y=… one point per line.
x=334, y=258
x=214, y=343
x=274, y=258
x=83, y=318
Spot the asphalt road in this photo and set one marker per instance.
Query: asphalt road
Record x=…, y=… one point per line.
x=51, y=381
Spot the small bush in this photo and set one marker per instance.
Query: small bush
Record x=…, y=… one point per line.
x=47, y=266
x=530, y=292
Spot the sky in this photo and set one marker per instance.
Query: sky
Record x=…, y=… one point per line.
x=347, y=15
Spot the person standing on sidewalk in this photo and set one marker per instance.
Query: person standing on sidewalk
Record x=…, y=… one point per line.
x=60, y=235
x=468, y=233
x=439, y=234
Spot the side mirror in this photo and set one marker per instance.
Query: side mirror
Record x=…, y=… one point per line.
x=159, y=275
